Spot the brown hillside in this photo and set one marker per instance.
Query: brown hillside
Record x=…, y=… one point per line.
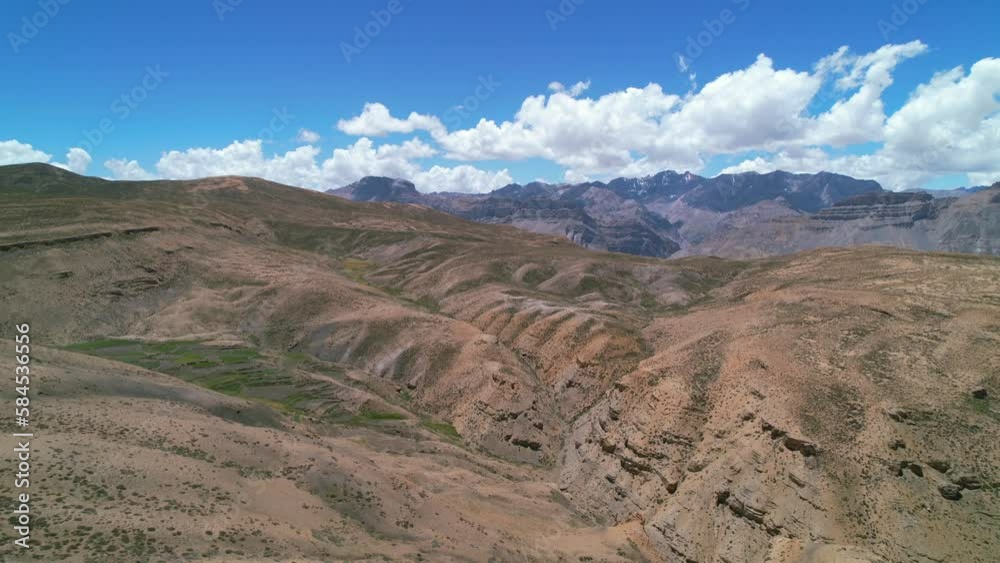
x=229, y=369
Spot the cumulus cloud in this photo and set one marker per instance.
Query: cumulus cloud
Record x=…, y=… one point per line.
x=949, y=125
x=573, y=91
x=795, y=118
x=241, y=158
x=304, y=166
x=580, y=133
x=77, y=160
x=756, y=108
x=861, y=117
x=376, y=121
x=462, y=178
x=308, y=136
x=647, y=129
x=640, y=130
x=122, y=169
x=16, y=152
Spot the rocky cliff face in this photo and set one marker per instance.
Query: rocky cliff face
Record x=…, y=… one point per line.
x=911, y=220
x=729, y=192
x=885, y=209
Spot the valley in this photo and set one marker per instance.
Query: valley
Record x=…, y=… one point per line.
x=230, y=369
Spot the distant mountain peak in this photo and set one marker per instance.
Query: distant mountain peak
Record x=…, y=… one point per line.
x=379, y=188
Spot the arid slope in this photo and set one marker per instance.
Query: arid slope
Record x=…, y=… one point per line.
x=256, y=371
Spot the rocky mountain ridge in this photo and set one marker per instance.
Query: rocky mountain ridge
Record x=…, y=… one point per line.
x=671, y=213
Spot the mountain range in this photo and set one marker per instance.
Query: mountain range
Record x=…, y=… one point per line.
x=731, y=215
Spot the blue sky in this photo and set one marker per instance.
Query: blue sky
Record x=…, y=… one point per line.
x=223, y=69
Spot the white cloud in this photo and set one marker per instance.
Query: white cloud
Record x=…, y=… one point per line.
x=682, y=63
x=16, y=152
x=952, y=122
x=243, y=158
x=573, y=91
x=375, y=121
x=754, y=108
x=122, y=169
x=574, y=177
x=647, y=129
x=304, y=167
x=861, y=117
x=308, y=136
x=463, y=178
x=950, y=125
x=984, y=178
x=364, y=159
x=77, y=160
x=585, y=134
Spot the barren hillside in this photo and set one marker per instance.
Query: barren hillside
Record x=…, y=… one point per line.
x=234, y=370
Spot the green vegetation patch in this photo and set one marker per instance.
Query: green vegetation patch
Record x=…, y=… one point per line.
x=442, y=428
x=380, y=415
x=357, y=269
x=983, y=407
x=538, y=275
x=235, y=370
x=338, y=241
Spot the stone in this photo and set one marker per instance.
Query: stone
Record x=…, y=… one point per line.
x=980, y=393
x=608, y=446
x=799, y=481
x=696, y=466
x=740, y=507
x=940, y=465
x=950, y=491
x=898, y=414
x=805, y=447
x=966, y=481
